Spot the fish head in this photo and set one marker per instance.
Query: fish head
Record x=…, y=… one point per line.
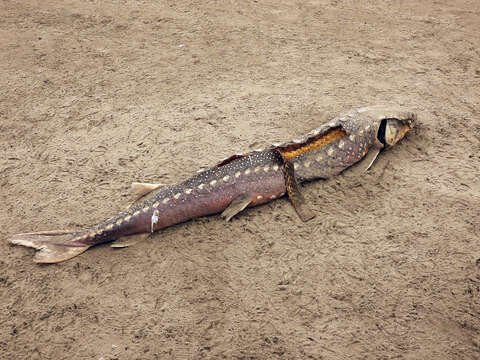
x=392, y=123
x=395, y=129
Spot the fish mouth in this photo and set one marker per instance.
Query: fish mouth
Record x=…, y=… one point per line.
x=404, y=131
x=410, y=121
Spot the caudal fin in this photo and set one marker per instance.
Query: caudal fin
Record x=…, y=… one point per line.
x=52, y=246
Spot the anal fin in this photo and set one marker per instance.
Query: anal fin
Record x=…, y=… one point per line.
x=294, y=194
x=236, y=206
x=127, y=241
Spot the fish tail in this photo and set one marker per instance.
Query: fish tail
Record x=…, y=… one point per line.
x=52, y=246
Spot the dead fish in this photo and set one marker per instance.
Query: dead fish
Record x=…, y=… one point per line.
x=240, y=181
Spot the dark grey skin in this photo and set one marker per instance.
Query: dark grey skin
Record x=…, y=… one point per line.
x=362, y=127
x=238, y=182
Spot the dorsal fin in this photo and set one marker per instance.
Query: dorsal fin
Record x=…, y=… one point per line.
x=141, y=190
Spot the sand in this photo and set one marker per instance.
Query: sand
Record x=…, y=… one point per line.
x=97, y=94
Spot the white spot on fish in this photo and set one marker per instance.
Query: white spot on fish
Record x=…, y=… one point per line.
x=320, y=157
x=154, y=219
x=272, y=197
x=297, y=141
x=188, y=191
x=248, y=171
x=127, y=218
x=275, y=167
x=237, y=174
x=109, y=227
x=156, y=204
x=177, y=195
x=259, y=197
x=166, y=200
x=330, y=151
x=136, y=213
x=257, y=169
x=296, y=166
x=201, y=186
x=341, y=144
x=352, y=137
x=146, y=208
x=213, y=182
x=307, y=163
x=119, y=222
x=226, y=178
x=266, y=168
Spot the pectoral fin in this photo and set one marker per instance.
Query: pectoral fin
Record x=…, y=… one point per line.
x=361, y=167
x=371, y=157
x=127, y=241
x=293, y=190
x=236, y=206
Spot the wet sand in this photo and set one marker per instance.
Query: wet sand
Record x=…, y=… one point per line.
x=96, y=95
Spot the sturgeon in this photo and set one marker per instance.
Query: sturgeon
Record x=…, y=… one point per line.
x=240, y=181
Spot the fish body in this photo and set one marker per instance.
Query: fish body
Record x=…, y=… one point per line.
x=209, y=192
x=241, y=181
